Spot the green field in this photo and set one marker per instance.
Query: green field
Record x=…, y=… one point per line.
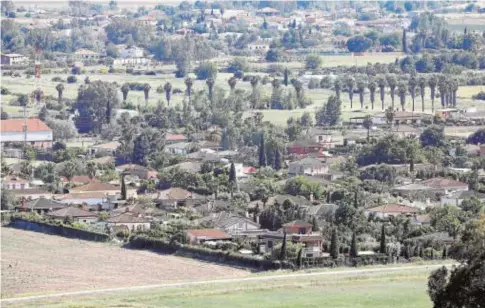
x=399, y=289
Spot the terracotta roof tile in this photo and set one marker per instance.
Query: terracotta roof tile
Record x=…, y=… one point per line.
x=17, y=126
x=72, y=212
x=127, y=217
x=393, y=209
x=443, y=183
x=95, y=187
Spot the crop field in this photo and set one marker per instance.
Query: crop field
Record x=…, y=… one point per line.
x=35, y=263
x=399, y=289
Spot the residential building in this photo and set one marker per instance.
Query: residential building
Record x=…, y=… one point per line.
x=146, y=21
x=78, y=180
x=302, y=147
x=445, y=185
x=15, y=182
x=267, y=11
x=421, y=220
x=198, y=236
x=179, y=148
x=175, y=197
x=258, y=46
x=141, y=172
x=312, y=243
x=86, y=54
x=233, y=224
x=297, y=227
x=175, y=138
x=387, y=210
x=74, y=213
x=40, y=206
x=457, y=197
x=401, y=117
x=108, y=148
x=189, y=166
x=129, y=220
x=30, y=194
x=92, y=199
x=13, y=59
x=307, y=166
x=38, y=133
x=131, y=52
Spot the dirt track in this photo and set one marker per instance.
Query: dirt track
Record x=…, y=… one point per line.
x=35, y=263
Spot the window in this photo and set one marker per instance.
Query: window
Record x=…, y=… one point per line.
x=301, y=230
x=270, y=244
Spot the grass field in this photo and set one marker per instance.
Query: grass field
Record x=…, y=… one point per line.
x=35, y=263
x=400, y=289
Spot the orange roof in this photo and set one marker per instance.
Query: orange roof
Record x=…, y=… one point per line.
x=173, y=137
x=17, y=126
x=393, y=208
x=208, y=233
x=443, y=183
x=94, y=187
x=127, y=218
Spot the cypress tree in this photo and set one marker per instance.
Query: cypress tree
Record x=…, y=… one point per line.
x=299, y=258
x=356, y=201
x=262, y=153
x=421, y=252
x=283, y=248
x=108, y=112
x=315, y=224
x=353, y=246
x=123, y=187
x=404, y=42
x=382, y=248
x=432, y=254
x=334, y=245
x=445, y=253
x=285, y=79
x=232, y=178
x=277, y=160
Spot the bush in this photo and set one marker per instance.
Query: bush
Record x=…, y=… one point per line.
x=71, y=79
x=206, y=70
x=479, y=96
x=5, y=91
x=388, y=48
x=239, y=74
x=150, y=73
x=177, y=91
x=238, y=64
x=314, y=83
x=313, y=62
x=57, y=79
x=76, y=70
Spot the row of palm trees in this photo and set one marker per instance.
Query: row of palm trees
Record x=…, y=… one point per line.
x=414, y=85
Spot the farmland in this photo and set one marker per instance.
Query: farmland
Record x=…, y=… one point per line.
x=34, y=263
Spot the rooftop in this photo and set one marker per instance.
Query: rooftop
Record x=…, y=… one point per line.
x=393, y=208
x=127, y=217
x=177, y=193
x=95, y=187
x=208, y=233
x=72, y=212
x=443, y=183
x=308, y=161
x=17, y=126
x=43, y=203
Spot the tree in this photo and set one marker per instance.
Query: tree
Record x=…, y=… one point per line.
x=60, y=90
x=206, y=70
x=367, y=123
x=91, y=170
x=434, y=136
x=273, y=55
x=372, y=91
x=262, y=152
x=404, y=42
x=432, y=83
x=350, y=83
x=167, y=87
x=401, y=91
x=254, y=91
x=282, y=256
x=6, y=116
x=381, y=83
x=232, y=83
x=285, y=77
x=447, y=218
x=313, y=62
x=123, y=187
x=125, y=88
x=188, y=84
x=210, y=86
x=443, y=88
x=92, y=103
x=315, y=227
x=146, y=91
x=412, y=84
x=477, y=137
x=361, y=89
x=353, y=247
x=330, y=113
x=232, y=179
x=277, y=160
x=6, y=198
x=422, y=82
x=69, y=170
x=337, y=85
x=382, y=247
x=334, y=244
x=392, y=82
x=359, y=43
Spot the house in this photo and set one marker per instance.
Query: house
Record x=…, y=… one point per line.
x=307, y=166
x=322, y=136
x=15, y=182
x=421, y=220
x=179, y=148
x=86, y=54
x=457, y=197
x=141, y=172
x=280, y=199
x=267, y=11
x=108, y=148
x=297, y=227
x=198, y=236
x=132, y=221
x=74, y=213
x=233, y=224
x=175, y=197
x=189, y=166
x=30, y=194
x=312, y=242
x=258, y=46
x=146, y=21
x=302, y=147
x=401, y=117
x=107, y=188
x=444, y=185
x=13, y=59
x=40, y=206
x=174, y=138
x=387, y=210
x=131, y=52
x=38, y=133
x=78, y=180
x=92, y=199
x=131, y=55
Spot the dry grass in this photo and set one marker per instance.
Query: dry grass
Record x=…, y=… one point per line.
x=35, y=263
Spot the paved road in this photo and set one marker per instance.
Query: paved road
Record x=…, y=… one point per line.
x=356, y=272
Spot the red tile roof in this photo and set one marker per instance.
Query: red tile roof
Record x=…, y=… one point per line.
x=12, y=179
x=127, y=217
x=95, y=187
x=17, y=126
x=174, y=137
x=443, y=183
x=208, y=233
x=393, y=209
x=72, y=212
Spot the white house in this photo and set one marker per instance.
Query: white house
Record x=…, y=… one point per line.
x=387, y=210
x=179, y=148
x=132, y=221
x=14, y=182
x=307, y=166
x=38, y=133
x=131, y=52
x=457, y=197
x=258, y=46
x=14, y=58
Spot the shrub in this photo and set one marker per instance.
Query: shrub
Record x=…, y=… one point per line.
x=150, y=73
x=313, y=62
x=57, y=79
x=76, y=70
x=314, y=83
x=239, y=74
x=479, y=96
x=206, y=70
x=238, y=64
x=71, y=79
x=5, y=91
x=177, y=91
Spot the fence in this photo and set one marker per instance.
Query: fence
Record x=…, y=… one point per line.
x=58, y=230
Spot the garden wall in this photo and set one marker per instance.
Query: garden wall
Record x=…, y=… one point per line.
x=58, y=230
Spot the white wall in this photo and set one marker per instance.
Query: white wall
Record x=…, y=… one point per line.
x=31, y=136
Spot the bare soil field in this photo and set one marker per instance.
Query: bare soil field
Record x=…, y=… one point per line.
x=36, y=263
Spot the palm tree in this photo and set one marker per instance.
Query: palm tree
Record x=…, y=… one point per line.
x=392, y=82
x=422, y=82
x=254, y=85
x=125, y=88
x=442, y=87
x=146, y=91
x=337, y=85
x=368, y=125
x=381, y=82
x=60, y=90
x=168, y=91
x=412, y=84
x=188, y=84
x=210, y=85
x=401, y=91
x=69, y=170
x=91, y=170
x=232, y=83
x=361, y=89
x=432, y=83
x=350, y=83
x=372, y=90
